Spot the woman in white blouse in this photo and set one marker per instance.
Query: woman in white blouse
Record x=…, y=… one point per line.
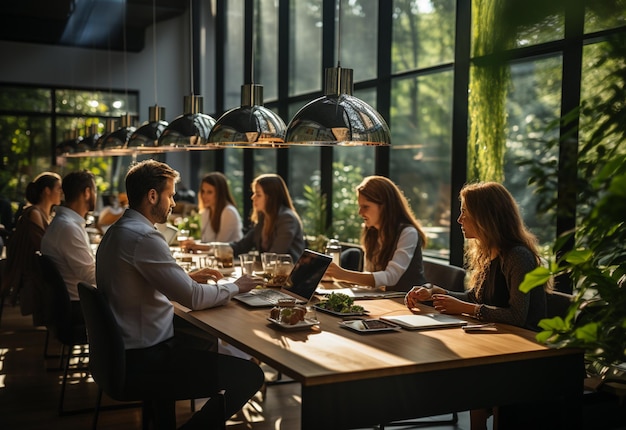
x=392, y=238
x=219, y=218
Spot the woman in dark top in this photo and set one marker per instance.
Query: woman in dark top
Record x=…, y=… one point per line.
x=277, y=226
x=499, y=253
x=392, y=239
x=21, y=277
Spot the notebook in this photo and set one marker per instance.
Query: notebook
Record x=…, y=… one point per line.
x=300, y=285
x=425, y=321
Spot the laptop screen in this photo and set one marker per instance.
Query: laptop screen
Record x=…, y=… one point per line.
x=307, y=274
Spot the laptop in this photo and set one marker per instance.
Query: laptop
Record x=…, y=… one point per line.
x=300, y=285
x=168, y=231
x=424, y=321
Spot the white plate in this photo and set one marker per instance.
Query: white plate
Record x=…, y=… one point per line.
x=300, y=325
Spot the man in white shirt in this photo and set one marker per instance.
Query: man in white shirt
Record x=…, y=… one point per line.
x=138, y=275
x=66, y=241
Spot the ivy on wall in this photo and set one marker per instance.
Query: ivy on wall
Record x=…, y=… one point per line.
x=488, y=85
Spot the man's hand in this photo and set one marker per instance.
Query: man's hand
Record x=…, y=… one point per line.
x=247, y=283
x=203, y=276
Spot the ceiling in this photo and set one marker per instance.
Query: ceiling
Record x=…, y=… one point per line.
x=94, y=24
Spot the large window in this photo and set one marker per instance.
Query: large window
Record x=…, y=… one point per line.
x=409, y=71
x=508, y=84
x=28, y=144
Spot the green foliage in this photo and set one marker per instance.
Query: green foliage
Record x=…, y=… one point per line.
x=313, y=207
x=489, y=80
x=339, y=302
x=596, y=263
x=190, y=223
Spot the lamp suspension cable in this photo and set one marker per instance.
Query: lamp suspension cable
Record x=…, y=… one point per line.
x=154, y=50
x=191, y=46
x=125, y=54
x=338, y=34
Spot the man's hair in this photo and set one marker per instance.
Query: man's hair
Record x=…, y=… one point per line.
x=75, y=183
x=145, y=176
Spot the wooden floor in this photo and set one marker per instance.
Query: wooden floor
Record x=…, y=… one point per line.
x=29, y=392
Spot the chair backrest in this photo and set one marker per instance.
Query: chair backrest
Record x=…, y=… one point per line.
x=444, y=275
x=56, y=301
x=352, y=258
x=107, y=359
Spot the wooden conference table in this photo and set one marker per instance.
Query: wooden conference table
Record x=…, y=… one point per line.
x=352, y=380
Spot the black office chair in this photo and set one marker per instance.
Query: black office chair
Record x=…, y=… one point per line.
x=61, y=325
x=445, y=275
x=352, y=258
x=107, y=356
x=451, y=278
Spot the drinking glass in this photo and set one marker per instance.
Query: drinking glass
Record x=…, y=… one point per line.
x=247, y=264
x=282, y=269
x=223, y=255
x=268, y=260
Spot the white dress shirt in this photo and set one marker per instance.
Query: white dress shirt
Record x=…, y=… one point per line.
x=66, y=242
x=138, y=275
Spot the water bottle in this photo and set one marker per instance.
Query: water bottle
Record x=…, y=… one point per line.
x=333, y=248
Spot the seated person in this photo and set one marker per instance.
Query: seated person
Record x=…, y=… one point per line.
x=139, y=277
x=66, y=241
x=219, y=218
x=277, y=226
x=500, y=252
x=392, y=239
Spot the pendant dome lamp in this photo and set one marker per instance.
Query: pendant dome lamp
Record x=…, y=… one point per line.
x=109, y=127
x=88, y=145
x=189, y=131
x=146, y=137
x=251, y=125
x=70, y=144
x=338, y=118
x=116, y=142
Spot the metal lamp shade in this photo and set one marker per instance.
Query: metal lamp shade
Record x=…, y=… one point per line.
x=251, y=125
x=146, y=137
x=190, y=130
x=338, y=118
x=115, y=143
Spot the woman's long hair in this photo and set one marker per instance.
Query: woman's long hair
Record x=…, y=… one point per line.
x=276, y=196
x=223, y=197
x=499, y=226
x=395, y=215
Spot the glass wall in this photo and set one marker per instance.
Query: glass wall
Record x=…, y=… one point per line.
x=36, y=122
x=413, y=68
x=426, y=80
